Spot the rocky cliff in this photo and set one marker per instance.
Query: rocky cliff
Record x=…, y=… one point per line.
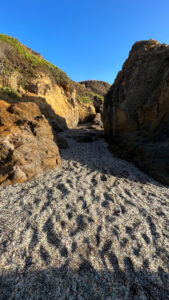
x=37, y=100
x=24, y=73
x=97, y=86
x=136, y=110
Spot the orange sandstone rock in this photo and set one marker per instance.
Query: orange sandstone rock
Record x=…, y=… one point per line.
x=27, y=146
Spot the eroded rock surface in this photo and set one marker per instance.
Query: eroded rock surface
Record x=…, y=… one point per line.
x=97, y=121
x=86, y=112
x=27, y=147
x=136, y=110
x=26, y=76
x=58, y=104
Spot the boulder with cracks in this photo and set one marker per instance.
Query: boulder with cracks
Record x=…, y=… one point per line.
x=27, y=147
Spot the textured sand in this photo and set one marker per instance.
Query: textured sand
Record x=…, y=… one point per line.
x=97, y=228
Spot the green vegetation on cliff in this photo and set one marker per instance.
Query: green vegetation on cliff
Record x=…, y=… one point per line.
x=28, y=64
x=7, y=91
x=84, y=99
x=16, y=56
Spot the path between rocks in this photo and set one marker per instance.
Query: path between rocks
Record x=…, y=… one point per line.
x=97, y=228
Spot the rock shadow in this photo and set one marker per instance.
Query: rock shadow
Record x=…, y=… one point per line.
x=56, y=122
x=86, y=135
x=85, y=283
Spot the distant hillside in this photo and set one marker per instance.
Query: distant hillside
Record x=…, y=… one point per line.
x=96, y=86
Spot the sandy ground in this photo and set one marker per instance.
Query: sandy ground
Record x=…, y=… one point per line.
x=96, y=228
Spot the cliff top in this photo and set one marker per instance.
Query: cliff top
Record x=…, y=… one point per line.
x=96, y=86
x=18, y=57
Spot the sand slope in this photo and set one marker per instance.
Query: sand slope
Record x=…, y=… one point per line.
x=97, y=228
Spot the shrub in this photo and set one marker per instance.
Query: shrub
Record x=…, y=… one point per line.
x=86, y=99
x=98, y=98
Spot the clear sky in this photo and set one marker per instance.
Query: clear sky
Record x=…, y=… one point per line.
x=88, y=39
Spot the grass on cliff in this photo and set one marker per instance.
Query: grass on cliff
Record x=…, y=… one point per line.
x=25, y=60
x=86, y=96
x=98, y=97
x=16, y=57
x=7, y=91
x=84, y=99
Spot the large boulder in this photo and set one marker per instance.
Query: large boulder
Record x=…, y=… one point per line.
x=136, y=109
x=97, y=122
x=27, y=146
x=86, y=112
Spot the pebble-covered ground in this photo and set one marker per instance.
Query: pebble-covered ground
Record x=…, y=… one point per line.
x=96, y=228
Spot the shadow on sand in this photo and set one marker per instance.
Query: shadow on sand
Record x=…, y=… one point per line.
x=86, y=135
x=86, y=283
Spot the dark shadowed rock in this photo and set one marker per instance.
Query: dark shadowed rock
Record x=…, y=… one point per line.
x=97, y=121
x=61, y=142
x=136, y=109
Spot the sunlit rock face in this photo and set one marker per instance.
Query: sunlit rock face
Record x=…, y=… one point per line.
x=136, y=109
x=26, y=74
x=27, y=146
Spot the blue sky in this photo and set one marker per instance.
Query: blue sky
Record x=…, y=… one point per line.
x=88, y=39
